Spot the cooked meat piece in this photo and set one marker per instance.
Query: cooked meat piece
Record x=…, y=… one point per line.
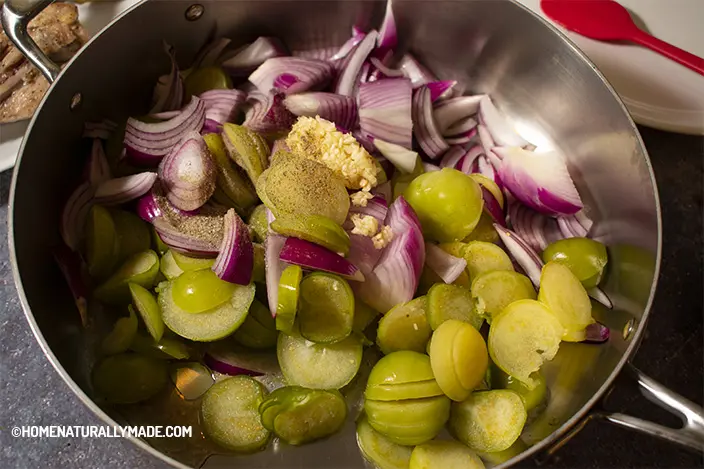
x=58, y=33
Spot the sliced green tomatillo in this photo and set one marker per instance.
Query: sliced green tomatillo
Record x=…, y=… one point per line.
x=214, y=324
x=452, y=302
x=197, y=291
x=326, y=310
x=141, y=268
x=289, y=291
x=168, y=266
x=102, y=249
x=232, y=185
x=405, y=327
x=319, y=414
x=259, y=267
x=188, y=264
x=258, y=330
x=148, y=309
x=230, y=414
x=379, y=450
x=258, y=223
x=132, y=233
x=167, y=348
x=204, y=79
x=128, y=378
x=314, y=228
x=122, y=334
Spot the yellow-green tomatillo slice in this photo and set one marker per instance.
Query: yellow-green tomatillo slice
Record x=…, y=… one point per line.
x=289, y=291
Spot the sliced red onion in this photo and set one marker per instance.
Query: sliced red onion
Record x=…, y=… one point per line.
x=101, y=130
x=536, y=229
x=485, y=139
x=121, y=190
x=493, y=208
x=72, y=269
x=168, y=92
x=147, y=208
x=273, y=265
x=539, y=180
x=425, y=128
x=319, y=53
x=452, y=110
x=74, y=215
x=210, y=53
x=342, y=110
x=441, y=90
x=97, y=169
x=211, y=127
x=452, y=157
x=395, y=277
x=596, y=333
x=524, y=255
x=183, y=242
x=363, y=254
x=585, y=221
x=469, y=163
x=415, y=71
x=500, y=130
x=148, y=143
x=388, y=38
x=268, y=114
x=461, y=127
x=365, y=73
x=382, y=71
x=599, y=295
x=244, y=61
x=236, y=258
x=315, y=257
x=463, y=138
x=376, y=207
x=383, y=190
x=292, y=74
x=352, y=65
x=222, y=106
x=570, y=227
x=191, y=380
x=447, y=266
x=241, y=363
x=402, y=158
x=429, y=167
x=165, y=115
x=188, y=173
x=349, y=45
x=385, y=110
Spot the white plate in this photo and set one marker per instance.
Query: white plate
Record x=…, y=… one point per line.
x=657, y=91
x=94, y=16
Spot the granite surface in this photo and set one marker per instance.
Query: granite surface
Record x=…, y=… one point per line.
x=32, y=393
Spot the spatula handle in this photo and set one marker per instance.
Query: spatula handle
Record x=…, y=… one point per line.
x=683, y=57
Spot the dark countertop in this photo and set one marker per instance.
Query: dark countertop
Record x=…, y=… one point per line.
x=32, y=393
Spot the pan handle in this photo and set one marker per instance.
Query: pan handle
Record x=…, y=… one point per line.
x=16, y=15
x=690, y=435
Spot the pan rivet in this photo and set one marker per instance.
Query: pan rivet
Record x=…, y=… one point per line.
x=194, y=12
x=76, y=101
x=629, y=329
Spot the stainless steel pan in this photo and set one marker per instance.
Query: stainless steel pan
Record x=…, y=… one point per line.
x=535, y=74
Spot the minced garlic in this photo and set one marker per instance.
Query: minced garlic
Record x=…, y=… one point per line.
x=383, y=237
x=318, y=139
x=360, y=199
x=364, y=225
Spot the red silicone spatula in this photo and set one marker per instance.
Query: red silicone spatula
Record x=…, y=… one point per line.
x=607, y=20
